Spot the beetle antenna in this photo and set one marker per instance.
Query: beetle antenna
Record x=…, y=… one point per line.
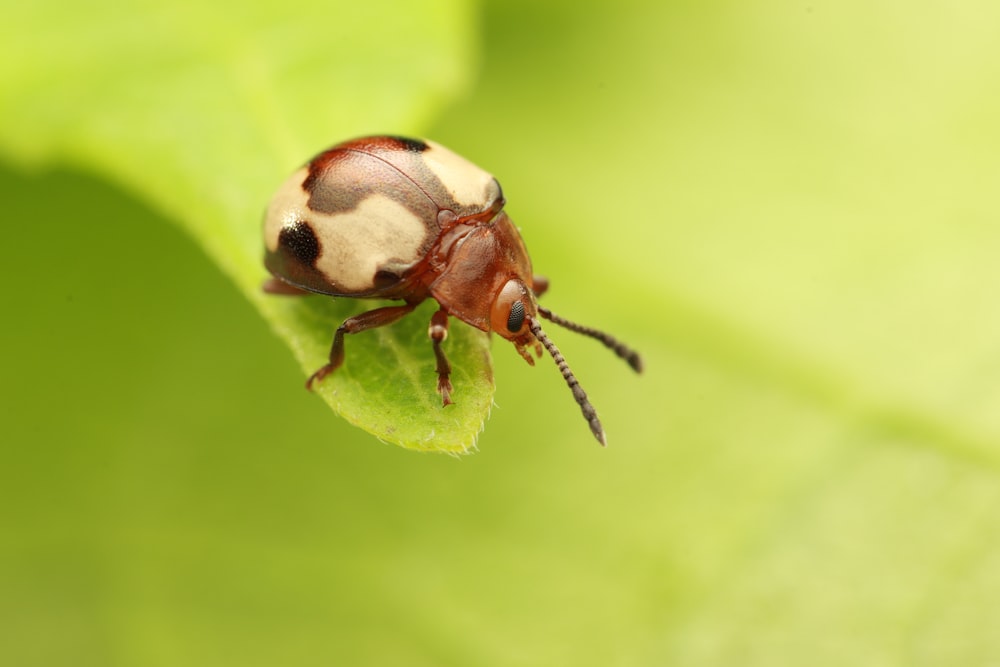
x=589, y=413
x=609, y=341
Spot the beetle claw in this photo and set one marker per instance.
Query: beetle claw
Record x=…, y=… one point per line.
x=319, y=375
x=445, y=389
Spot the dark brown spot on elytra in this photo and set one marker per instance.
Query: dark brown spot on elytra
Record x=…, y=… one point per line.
x=413, y=145
x=299, y=240
x=340, y=178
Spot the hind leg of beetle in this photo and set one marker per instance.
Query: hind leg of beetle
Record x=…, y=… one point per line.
x=438, y=331
x=369, y=320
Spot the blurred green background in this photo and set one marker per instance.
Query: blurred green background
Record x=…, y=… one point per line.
x=789, y=207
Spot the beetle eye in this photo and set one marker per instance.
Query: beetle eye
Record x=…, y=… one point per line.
x=513, y=307
x=516, y=318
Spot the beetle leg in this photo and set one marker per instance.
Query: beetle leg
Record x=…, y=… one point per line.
x=369, y=320
x=539, y=285
x=438, y=331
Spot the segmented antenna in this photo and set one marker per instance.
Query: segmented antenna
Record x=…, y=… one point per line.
x=589, y=413
x=609, y=341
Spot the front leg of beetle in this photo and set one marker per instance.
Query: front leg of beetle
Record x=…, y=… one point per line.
x=438, y=331
x=372, y=319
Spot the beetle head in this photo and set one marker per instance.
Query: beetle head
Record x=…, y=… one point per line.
x=488, y=283
x=486, y=273
x=510, y=316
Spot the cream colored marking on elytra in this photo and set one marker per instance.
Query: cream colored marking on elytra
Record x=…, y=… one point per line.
x=354, y=244
x=467, y=183
x=288, y=205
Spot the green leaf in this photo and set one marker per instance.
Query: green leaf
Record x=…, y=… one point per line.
x=388, y=383
x=202, y=109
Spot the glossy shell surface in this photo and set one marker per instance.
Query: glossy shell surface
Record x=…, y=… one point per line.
x=361, y=217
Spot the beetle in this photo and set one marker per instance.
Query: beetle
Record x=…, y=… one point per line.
x=387, y=217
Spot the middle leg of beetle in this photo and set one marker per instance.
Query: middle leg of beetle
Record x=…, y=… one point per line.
x=372, y=319
x=438, y=331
